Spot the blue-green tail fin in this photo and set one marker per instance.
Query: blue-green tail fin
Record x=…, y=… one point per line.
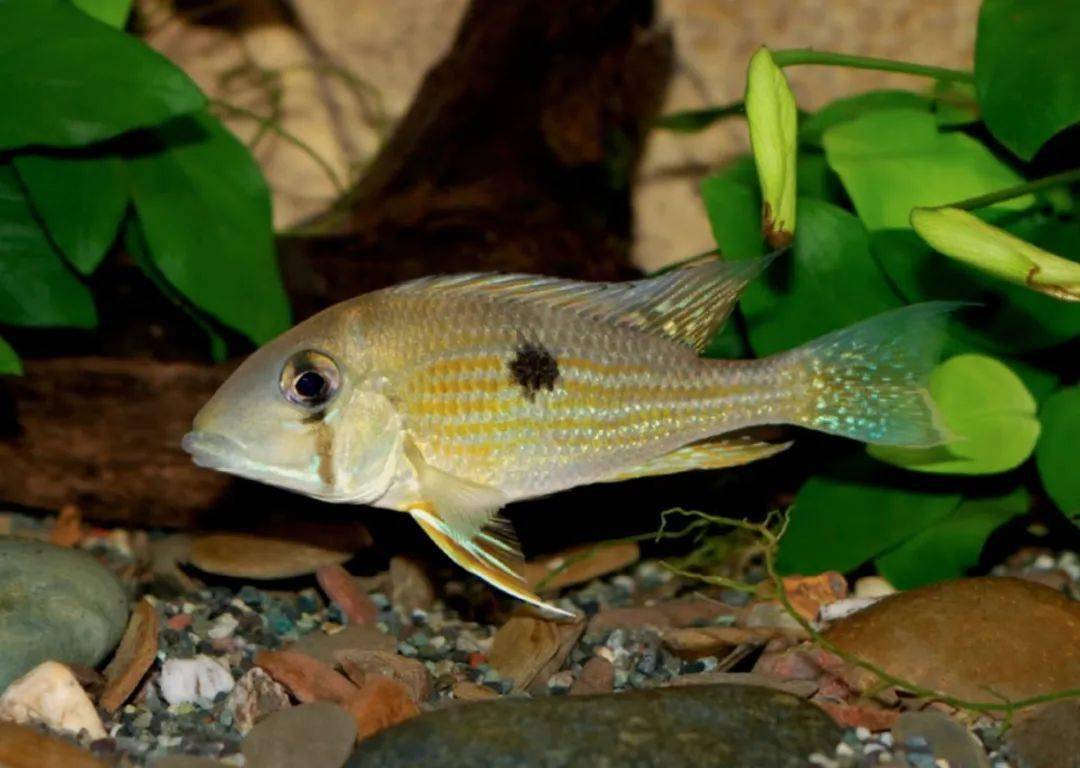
x=869, y=382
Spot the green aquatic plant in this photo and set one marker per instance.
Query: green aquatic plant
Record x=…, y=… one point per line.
x=964, y=191
x=102, y=138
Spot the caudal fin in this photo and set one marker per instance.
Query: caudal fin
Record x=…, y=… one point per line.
x=869, y=381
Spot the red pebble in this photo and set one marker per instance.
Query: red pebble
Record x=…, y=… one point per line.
x=340, y=586
x=179, y=621
x=476, y=659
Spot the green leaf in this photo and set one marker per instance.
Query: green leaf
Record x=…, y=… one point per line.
x=9, y=361
x=205, y=211
x=1027, y=70
x=67, y=79
x=845, y=110
x=948, y=548
x=1056, y=453
x=855, y=512
x=113, y=12
x=893, y=160
x=135, y=246
x=828, y=280
x=734, y=211
x=80, y=199
x=36, y=287
x=1009, y=319
x=989, y=410
x=955, y=103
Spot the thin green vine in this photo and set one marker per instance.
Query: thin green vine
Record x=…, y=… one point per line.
x=808, y=56
x=771, y=541
x=1001, y=195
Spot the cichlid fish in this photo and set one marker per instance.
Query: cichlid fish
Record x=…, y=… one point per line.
x=450, y=397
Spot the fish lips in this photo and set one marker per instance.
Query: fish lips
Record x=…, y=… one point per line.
x=213, y=451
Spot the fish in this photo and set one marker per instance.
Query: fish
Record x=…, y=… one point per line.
x=450, y=397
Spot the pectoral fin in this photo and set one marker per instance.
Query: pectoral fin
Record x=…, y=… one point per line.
x=714, y=454
x=462, y=518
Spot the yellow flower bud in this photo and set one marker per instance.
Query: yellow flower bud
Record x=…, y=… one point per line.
x=967, y=238
x=771, y=114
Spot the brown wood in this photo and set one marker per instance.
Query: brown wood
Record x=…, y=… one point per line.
x=518, y=153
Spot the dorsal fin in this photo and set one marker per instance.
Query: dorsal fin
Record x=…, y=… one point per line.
x=687, y=304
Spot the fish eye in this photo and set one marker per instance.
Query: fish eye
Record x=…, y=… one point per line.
x=310, y=379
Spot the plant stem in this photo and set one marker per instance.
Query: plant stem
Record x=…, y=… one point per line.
x=796, y=56
x=992, y=198
x=693, y=120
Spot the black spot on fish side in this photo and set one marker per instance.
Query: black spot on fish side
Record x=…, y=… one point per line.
x=534, y=368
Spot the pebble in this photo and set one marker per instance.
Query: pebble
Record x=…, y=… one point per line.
x=970, y=636
x=410, y=587
x=358, y=663
x=255, y=696
x=380, y=703
x=597, y=676
x=1048, y=736
x=318, y=735
x=343, y=590
x=192, y=681
x=579, y=565
x=323, y=646
x=55, y=604
x=23, y=747
x=695, y=726
x=136, y=653
x=50, y=694
x=942, y=736
x=522, y=647
x=256, y=557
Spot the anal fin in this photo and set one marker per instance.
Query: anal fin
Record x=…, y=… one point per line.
x=495, y=558
x=712, y=454
x=462, y=518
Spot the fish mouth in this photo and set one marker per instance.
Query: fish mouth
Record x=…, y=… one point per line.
x=212, y=451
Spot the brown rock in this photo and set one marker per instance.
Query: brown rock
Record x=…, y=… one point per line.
x=380, y=703
x=860, y=715
x=697, y=611
x=597, y=676
x=254, y=557
x=522, y=647
x=579, y=564
x=466, y=691
x=788, y=664
x=323, y=646
x=802, y=688
x=808, y=593
x=134, y=656
x=22, y=747
x=613, y=618
x=1048, y=736
x=971, y=636
x=255, y=696
x=306, y=677
x=410, y=587
x=340, y=587
x=67, y=532
x=568, y=634
x=696, y=642
x=357, y=664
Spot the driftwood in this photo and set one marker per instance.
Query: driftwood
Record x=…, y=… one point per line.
x=518, y=153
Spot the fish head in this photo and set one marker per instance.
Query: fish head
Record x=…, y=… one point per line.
x=304, y=412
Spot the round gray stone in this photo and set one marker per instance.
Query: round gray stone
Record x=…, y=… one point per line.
x=709, y=726
x=55, y=603
x=318, y=735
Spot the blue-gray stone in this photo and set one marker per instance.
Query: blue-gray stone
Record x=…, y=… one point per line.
x=55, y=603
x=708, y=726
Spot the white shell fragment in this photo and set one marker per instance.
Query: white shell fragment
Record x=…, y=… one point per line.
x=191, y=680
x=50, y=694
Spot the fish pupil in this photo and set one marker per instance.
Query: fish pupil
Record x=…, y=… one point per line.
x=534, y=368
x=310, y=385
